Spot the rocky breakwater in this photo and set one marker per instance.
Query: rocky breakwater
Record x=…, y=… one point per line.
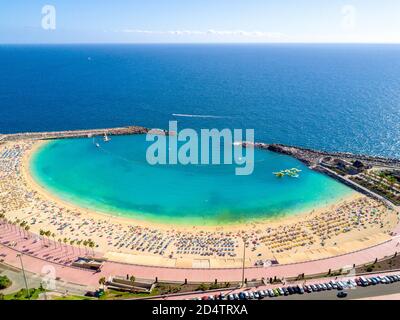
x=75, y=133
x=312, y=157
x=307, y=156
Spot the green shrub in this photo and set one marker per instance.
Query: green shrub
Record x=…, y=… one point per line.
x=214, y=286
x=4, y=282
x=202, y=287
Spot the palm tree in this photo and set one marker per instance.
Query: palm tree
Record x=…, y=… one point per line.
x=3, y=219
x=48, y=234
x=79, y=242
x=41, y=232
x=54, y=239
x=27, y=230
x=10, y=223
x=132, y=280
x=72, y=242
x=102, y=282
x=22, y=227
x=85, y=243
x=91, y=245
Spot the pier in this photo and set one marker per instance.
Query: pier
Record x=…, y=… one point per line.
x=73, y=133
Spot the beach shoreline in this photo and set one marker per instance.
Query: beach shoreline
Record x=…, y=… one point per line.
x=274, y=220
x=326, y=231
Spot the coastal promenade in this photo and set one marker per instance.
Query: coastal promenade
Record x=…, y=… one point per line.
x=88, y=278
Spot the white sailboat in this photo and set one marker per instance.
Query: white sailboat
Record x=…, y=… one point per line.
x=96, y=144
x=106, y=138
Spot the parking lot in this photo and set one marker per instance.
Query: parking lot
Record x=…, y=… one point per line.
x=350, y=288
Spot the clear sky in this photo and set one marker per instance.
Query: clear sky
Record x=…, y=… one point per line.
x=176, y=21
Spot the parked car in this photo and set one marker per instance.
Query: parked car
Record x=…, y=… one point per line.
x=353, y=283
x=271, y=293
x=285, y=291
x=314, y=287
x=364, y=281
x=222, y=296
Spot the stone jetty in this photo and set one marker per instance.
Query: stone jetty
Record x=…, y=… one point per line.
x=73, y=133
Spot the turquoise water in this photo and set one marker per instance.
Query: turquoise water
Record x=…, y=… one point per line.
x=117, y=179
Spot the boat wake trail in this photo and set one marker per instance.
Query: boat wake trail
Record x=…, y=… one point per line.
x=199, y=116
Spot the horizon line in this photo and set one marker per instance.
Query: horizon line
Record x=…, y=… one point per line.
x=199, y=43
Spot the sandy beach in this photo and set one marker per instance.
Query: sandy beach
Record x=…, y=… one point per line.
x=351, y=224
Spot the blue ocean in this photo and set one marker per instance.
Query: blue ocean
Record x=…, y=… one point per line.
x=330, y=97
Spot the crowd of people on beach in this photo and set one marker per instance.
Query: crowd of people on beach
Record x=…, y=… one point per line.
x=19, y=201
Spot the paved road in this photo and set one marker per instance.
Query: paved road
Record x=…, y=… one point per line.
x=34, y=281
x=356, y=293
x=17, y=280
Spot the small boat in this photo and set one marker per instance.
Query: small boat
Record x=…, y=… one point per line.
x=106, y=138
x=279, y=174
x=95, y=143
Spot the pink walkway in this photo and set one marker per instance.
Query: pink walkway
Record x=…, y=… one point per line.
x=36, y=257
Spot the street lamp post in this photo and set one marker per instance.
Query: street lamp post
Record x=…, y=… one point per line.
x=244, y=259
x=23, y=272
